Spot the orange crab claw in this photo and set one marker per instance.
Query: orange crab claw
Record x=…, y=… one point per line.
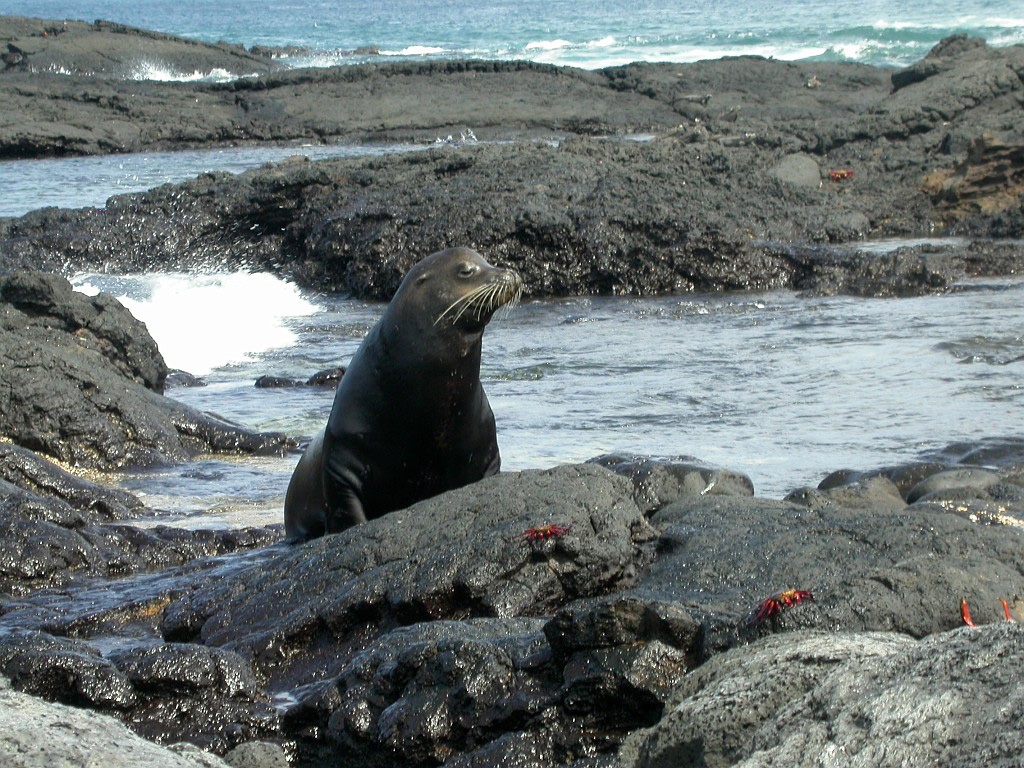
x=965, y=613
x=1006, y=609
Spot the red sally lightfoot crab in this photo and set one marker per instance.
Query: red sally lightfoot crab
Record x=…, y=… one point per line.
x=545, y=532
x=776, y=604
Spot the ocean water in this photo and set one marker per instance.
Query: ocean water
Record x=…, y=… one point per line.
x=781, y=387
x=582, y=33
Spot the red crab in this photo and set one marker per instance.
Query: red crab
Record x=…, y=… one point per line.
x=776, y=604
x=840, y=174
x=545, y=532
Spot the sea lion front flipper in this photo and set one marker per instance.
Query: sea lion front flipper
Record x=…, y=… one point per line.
x=304, y=507
x=345, y=510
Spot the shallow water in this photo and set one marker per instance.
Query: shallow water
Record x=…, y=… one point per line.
x=781, y=387
x=82, y=182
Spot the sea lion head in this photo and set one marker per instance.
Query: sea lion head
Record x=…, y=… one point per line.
x=460, y=290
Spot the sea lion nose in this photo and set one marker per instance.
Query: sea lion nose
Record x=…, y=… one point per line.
x=512, y=278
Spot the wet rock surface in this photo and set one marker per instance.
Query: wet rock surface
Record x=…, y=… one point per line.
x=590, y=216
x=101, y=377
x=469, y=629
x=80, y=390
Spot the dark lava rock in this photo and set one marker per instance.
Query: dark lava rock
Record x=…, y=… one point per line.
x=453, y=631
x=940, y=482
x=46, y=305
x=586, y=217
x=434, y=642
x=110, y=50
x=24, y=470
x=981, y=481
x=867, y=567
x=700, y=207
x=460, y=555
x=326, y=378
x=467, y=682
x=877, y=491
x=659, y=482
x=942, y=58
x=79, y=382
x=47, y=542
x=100, y=375
x=997, y=452
x=65, y=670
x=810, y=698
x=176, y=378
x=276, y=382
x=192, y=693
x=177, y=693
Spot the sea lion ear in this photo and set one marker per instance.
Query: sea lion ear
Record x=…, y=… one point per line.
x=420, y=279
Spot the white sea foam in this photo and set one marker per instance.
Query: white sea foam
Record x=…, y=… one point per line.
x=150, y=70
x=587, y=57
x=548, y=45
x=415, y=50
x=57, y=69
x=205, y=321
x=881, y=24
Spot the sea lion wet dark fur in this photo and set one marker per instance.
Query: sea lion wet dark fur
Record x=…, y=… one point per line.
x=410, y=418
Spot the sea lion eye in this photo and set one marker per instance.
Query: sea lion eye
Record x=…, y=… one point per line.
x=468, y=269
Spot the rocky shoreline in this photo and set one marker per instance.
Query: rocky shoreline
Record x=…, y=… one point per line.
x=736, y=174
x=622, y=612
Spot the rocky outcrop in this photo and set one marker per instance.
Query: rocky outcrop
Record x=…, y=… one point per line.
x=745, y=188
x=22, y=471
x=109, y=50
x=47, y=543
x=100, y=376
x=572, y=616
x=587, y=217
x=552, y=616
x=80, y=383
x=804, y=698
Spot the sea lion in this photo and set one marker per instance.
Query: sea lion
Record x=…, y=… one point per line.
x=410, y=418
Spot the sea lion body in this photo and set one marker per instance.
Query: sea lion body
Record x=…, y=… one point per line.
x=410, y=418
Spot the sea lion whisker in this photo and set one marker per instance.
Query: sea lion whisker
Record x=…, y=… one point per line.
x=462, y=299
x=473, y=301
x=512, y=302
x=487, y=301
x=462, y=304
x=499, y=296
x=503, y=297
x=483, y=299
